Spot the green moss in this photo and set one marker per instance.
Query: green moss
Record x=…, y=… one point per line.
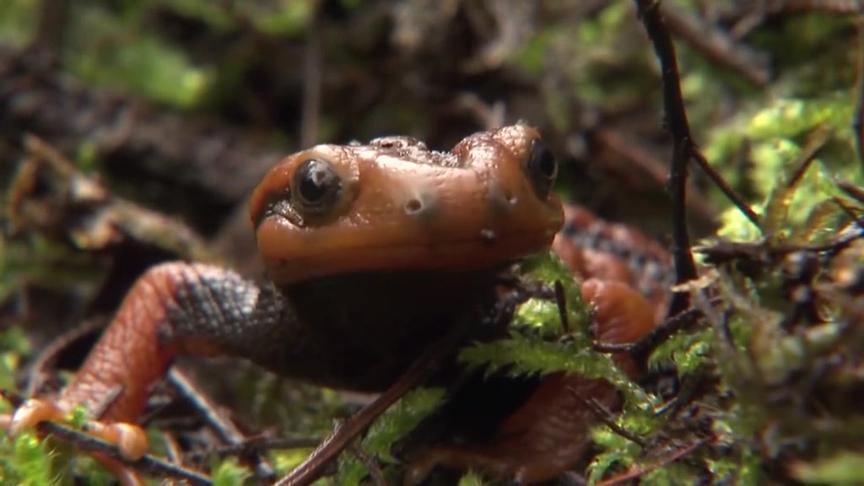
x=230, y=473
x=842, y=468
x=397, y=421
x=106, y=51
x=688, y=351
x=26, y=460
x=472, y=479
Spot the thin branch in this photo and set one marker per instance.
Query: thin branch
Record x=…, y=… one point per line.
x=314, y=465
x=724, y=186
x=371, y=465
x=638, y=471
x=717, y=45
x=808, y=155
x=682, y=148
x=642, y=349
x=210, y=411
x=605, y=416
x=561, y=302
x=49, y=355
x=148, y=464
x=628, y=148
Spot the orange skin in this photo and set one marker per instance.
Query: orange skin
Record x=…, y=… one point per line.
x=399, y=209
x=470, y=208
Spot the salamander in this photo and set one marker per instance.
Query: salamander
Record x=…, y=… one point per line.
x=373, y=251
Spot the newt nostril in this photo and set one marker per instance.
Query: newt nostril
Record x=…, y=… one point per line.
x=413, y=206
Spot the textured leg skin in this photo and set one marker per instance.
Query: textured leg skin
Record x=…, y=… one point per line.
x=174, y=308
x=129, y=357
x=137, y=348
x=549, y=433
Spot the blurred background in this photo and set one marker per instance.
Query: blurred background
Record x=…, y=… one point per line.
x=131, y=132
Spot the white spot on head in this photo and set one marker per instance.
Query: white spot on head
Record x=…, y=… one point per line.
x=488, y=235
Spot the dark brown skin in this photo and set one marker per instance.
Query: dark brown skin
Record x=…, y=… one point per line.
x=374, y=252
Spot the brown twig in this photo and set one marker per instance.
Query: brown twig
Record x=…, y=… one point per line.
x=724, y=186
x=48, y=356
x=561, y=303
x=682, y=147
x=626, y=147
x=808, y=155
x=636, y=472
x=642, y=349
x=717, y=45
x=605, y=416
x=371, y=465
x=314, y=465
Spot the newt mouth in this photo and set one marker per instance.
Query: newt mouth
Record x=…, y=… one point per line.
x=485, y=251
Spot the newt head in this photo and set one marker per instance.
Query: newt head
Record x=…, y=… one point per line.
x=393, y=205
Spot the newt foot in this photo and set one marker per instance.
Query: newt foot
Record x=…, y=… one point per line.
x=130, y=439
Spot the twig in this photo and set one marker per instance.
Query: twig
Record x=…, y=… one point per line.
x=626, y=147
x=638, y=471
x=225, y=429
x=314, y=465
x=717, y=45
x=724, y=186
x=148, y=464
x=642, y=348
x=209, y=410
x=682, y=148
x=852, y=190
x=48, y=356
x=808, y=155
x=369, y=462
x=605, y=416
x=561, y=302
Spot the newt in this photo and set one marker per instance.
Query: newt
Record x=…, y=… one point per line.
x=373, y=251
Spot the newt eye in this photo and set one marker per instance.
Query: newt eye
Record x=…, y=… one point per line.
x=316, y=185
x=542, y=168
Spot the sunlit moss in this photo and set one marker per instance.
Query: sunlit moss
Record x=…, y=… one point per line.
x=472, y=479
x=617, y=452
x=689, y=351
x=26, y=461
x=842, y=468
x=13, y=347
x=230, y=473
x=106, y=52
